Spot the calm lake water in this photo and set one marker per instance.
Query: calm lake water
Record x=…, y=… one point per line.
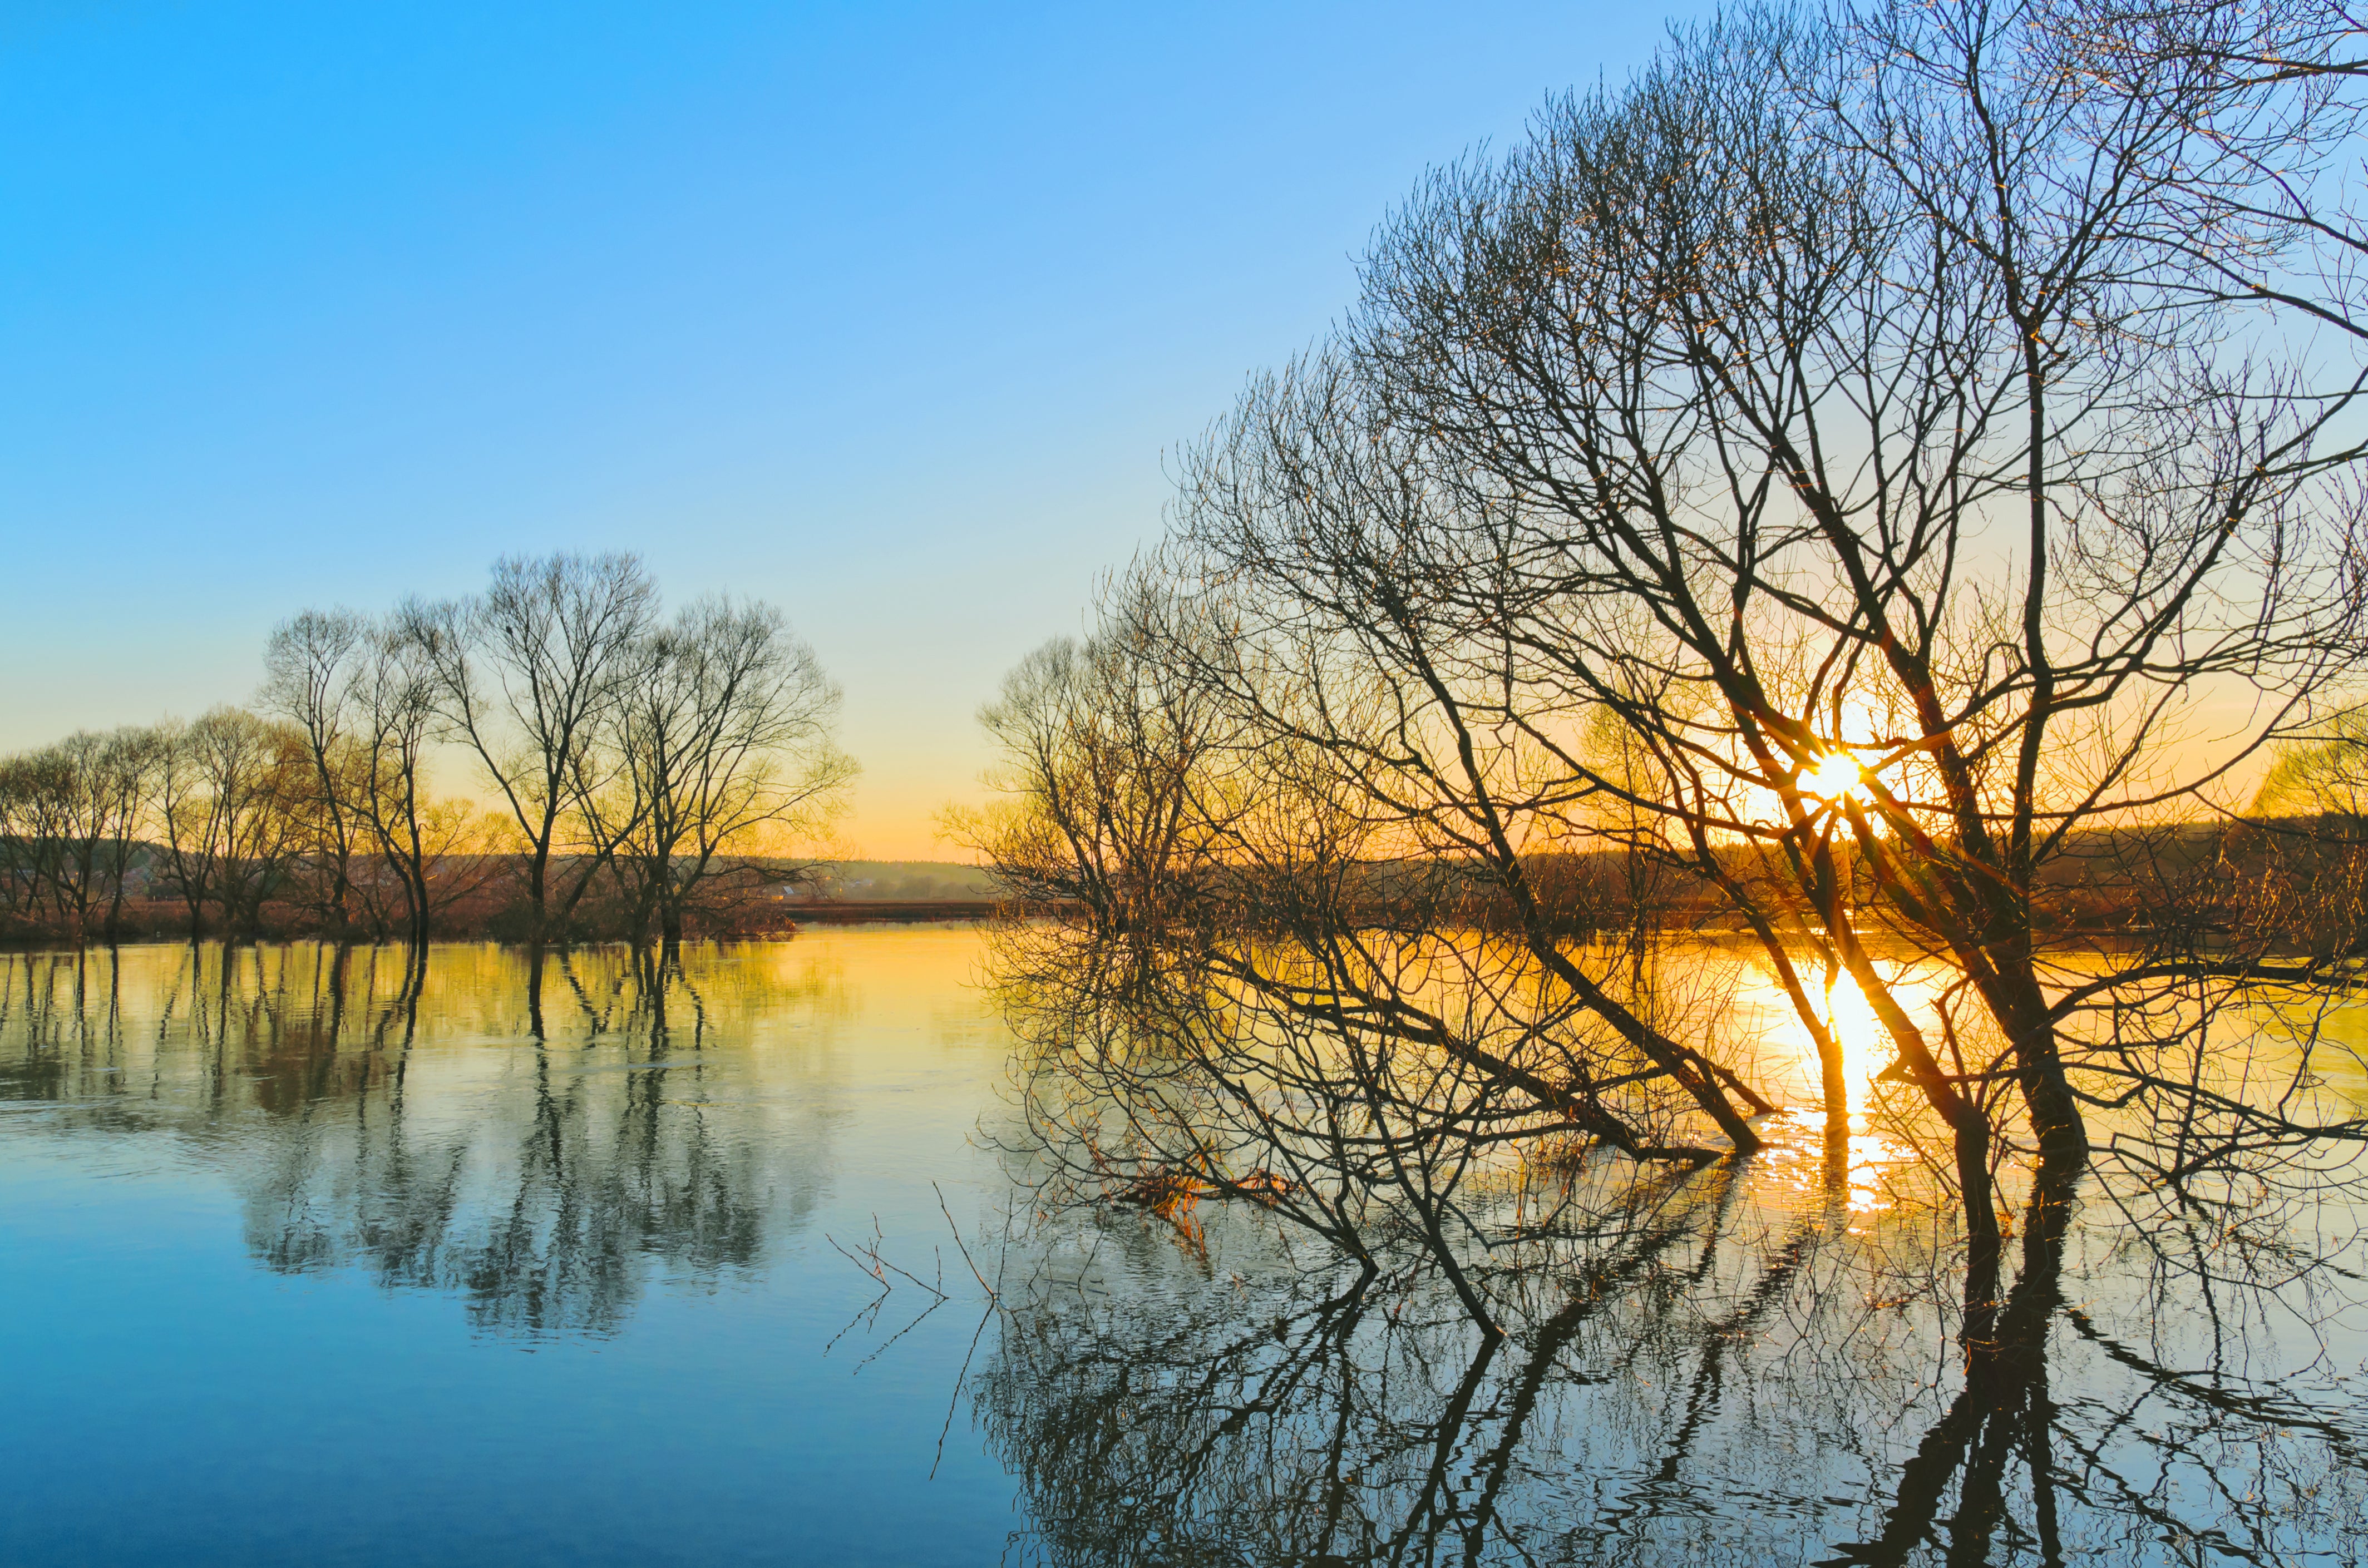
x=300, y=1268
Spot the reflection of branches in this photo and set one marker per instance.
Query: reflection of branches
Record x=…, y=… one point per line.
x=1373, y=1087
x=547, y=1207
x=2266, y=1407
x=2003, y=1410
x=1701, y=1377
x=1321, y=1426
x=567, y=1256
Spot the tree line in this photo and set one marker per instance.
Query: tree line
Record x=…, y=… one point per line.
x=1876, y=455
x=641, y=770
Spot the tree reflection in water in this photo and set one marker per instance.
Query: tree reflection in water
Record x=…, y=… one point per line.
x=1715, y=1377
x=1779, y=1359
x=1747, y=1361
x=545, y=1180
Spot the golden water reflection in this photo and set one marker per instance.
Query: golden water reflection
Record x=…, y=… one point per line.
x=1768, y=1026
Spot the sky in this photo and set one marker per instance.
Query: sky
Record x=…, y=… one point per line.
x=889, y=314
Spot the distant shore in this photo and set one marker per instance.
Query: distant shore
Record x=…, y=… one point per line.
x=843, y=912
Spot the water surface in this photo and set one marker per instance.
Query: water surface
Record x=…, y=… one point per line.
x=303, y=1262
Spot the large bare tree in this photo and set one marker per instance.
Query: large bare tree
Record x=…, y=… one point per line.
x=1827, y=465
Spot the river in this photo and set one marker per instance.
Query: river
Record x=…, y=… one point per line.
x=307, y=1260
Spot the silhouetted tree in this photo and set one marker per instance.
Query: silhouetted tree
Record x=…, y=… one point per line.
x=530, y=676
x=233, y=791
x=1846, y=418
x=725, y=741
x=309, y=674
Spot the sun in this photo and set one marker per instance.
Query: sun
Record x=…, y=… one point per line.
x=1835, y=777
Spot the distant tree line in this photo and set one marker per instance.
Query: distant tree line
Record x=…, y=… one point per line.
x=642, y=770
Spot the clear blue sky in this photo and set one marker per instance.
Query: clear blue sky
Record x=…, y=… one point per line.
x=886, y=312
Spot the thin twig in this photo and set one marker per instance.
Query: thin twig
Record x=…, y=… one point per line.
x=992, y=1294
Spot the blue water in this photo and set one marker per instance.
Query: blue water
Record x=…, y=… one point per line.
x=307, y=1260
x=174, y=1393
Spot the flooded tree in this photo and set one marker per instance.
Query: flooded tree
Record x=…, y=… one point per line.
x=1826, y=468
x=1104, y=806
x=530, y=676
x=381, y=854
x=649, y=774
x=440, y=850
x=725, y=753
x=307, y=678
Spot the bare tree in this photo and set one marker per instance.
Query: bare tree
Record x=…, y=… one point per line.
x=530, y=674
x=1943, y=504
x=70, y=816
x=693, y=751
x=232, y=790
x=435, y=849
x=725, y=741
x=1103, y=777
x=1835, y=417
x=307, y=678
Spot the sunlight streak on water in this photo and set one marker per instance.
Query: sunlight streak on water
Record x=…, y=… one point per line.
x=1760, y=1003
x=1758, y=1008
x=1865, y=1048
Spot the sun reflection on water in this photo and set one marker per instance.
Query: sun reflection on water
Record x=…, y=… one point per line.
x=1868, y=1156
x=1849, y=1017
